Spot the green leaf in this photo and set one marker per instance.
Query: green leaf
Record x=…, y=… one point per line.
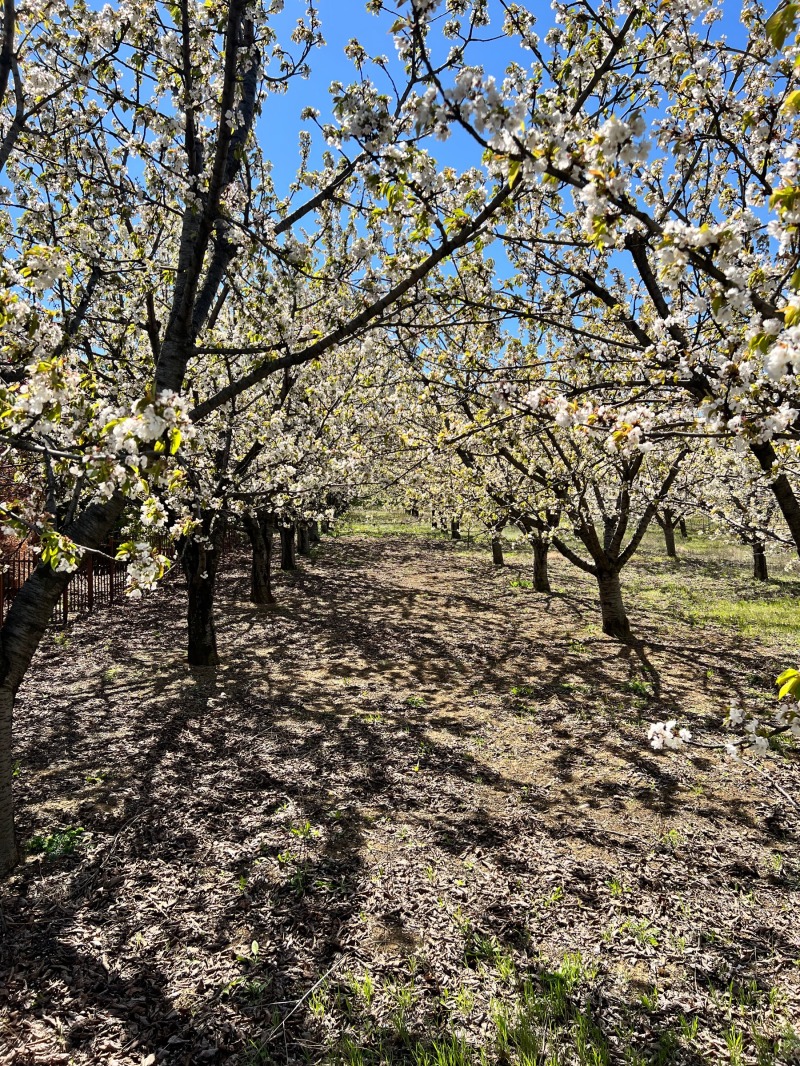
x=781, y=23
x=514, y=173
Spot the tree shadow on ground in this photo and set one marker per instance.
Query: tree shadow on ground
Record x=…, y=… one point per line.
x=390, y=769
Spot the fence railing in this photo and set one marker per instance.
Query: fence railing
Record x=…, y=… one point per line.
x=99, y=581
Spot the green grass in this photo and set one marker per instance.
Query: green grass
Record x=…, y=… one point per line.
x=384, y=522
x=777, y=619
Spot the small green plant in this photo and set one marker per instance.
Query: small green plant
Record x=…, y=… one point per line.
x=523, y=691
x=521, y=583
x=616, y=888
x=642, y=931
x=450, y=1051
x=649, y=1000
x=688, y=1027
x=305, y=831
x=464, y=1000
x=555, y=896
x=415, y=701
x=735, y=1042
x=363, y=986
x=318, y=1002
x=97, y=778
x=57, y=844
x=638, y=687
x=672, y=839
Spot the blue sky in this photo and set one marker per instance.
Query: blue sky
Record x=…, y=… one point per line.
x=343, y=20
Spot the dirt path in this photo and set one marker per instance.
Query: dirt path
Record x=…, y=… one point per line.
x=413, y=778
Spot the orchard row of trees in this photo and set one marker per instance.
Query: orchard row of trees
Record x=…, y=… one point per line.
x=591, y=325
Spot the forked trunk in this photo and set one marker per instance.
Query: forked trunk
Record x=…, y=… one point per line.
x=760, y=572
x=497, y=551
x=541, y=577
x=288, y=557
x=615, y=620
x=200, y=565
x=260, y=533
x=303, y=538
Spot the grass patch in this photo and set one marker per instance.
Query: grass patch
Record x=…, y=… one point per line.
x=777, y=619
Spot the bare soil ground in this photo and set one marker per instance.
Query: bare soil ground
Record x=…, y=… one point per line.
x=412, y=819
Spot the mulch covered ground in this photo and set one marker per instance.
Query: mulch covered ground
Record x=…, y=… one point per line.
x=413, y=815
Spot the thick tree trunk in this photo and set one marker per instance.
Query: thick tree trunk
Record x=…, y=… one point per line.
x=669, y=539
x=782, y=489
x=303, y=538
x=200, y=565
x=22, y=631
x=760, y=572
x=615, y=620
x=9, y=852
x=313, y=532
x=683, y=529
x=326, y=525
x=288, y=558
x=455, y=529
x=259, y=531
x=497, y=551
x=541, y=577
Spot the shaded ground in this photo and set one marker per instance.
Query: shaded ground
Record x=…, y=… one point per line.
x=414, y=819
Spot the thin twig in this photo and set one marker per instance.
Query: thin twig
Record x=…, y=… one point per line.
x=302, y=999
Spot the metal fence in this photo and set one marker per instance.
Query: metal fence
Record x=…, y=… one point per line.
x=98, y=582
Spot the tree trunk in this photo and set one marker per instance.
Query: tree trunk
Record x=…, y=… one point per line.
x=615, y=620
x=497, y=551
x=782, y=489
x=200, y=563
x=288, y=558
x=760, y=572
x=455, y=529
x=683, y=529
x=669, y=539
x=21, y=633
x=9, y=852
x=303, y=538
x=541, y=577
x=313, y=532
x=259, y=531
x=326, y=525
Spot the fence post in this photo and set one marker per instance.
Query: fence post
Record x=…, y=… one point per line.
x=90, y=584
x=112, y=568
x=65, y=605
